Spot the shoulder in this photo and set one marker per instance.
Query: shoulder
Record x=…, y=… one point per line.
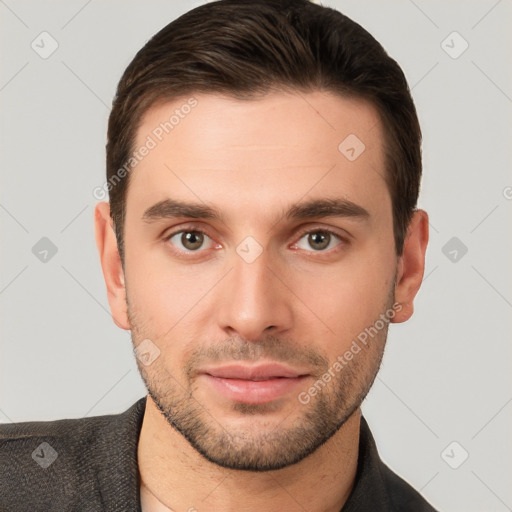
x=72, y=436
x=42, y=442
x=56, y=465
x=380, y=488
x=402, y=495
x=21, y=432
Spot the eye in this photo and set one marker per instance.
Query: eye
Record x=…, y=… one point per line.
x=320, y=240
x=190, y=240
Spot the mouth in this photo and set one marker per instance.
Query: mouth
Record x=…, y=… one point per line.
x=253, y=384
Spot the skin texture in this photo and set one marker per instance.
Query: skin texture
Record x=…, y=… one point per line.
x=301, y=302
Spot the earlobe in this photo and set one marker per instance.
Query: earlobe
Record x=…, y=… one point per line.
x=111, y=264
x=411, y=265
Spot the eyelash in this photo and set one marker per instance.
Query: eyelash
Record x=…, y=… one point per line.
x=302, y=234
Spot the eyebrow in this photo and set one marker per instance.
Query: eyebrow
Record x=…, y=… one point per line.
x=314, y=208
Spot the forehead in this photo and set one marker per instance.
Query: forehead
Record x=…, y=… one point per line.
x=207, y=147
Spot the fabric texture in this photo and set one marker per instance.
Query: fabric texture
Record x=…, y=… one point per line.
x=90, y=465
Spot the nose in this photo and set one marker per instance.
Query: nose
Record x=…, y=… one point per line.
x=255, y=299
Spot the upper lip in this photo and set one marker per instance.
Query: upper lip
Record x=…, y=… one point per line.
x=259, y=372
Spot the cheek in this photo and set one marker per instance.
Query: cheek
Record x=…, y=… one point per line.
x=350, y=296
x=164, y=295
x=154, y=298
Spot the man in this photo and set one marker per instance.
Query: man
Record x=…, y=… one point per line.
x=263, y=168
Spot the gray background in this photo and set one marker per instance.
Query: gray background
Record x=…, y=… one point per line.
x=446, y=373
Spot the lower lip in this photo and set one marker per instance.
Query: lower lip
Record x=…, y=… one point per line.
x=254, y=391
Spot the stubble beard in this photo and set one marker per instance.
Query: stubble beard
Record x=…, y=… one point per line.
x=260, y=445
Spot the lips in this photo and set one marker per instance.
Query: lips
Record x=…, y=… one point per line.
x=260, y=372
x=252, y=384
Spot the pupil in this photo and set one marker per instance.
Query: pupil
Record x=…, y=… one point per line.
x=192, y=240
x=319, y=240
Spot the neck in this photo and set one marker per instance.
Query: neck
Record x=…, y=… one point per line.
x=175, y=476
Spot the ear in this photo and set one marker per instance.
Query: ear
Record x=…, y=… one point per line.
x=411, y=265
x=111, y=264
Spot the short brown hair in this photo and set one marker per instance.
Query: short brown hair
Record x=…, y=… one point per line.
x=247, y=48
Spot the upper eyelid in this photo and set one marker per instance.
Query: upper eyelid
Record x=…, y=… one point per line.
x=301, y=232
x=326, y=230
x=185, y=229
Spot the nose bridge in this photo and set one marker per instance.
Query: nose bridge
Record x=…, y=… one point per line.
x=255, y=299
x=252, y=276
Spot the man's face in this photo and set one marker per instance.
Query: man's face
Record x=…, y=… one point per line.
x=224, y=299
